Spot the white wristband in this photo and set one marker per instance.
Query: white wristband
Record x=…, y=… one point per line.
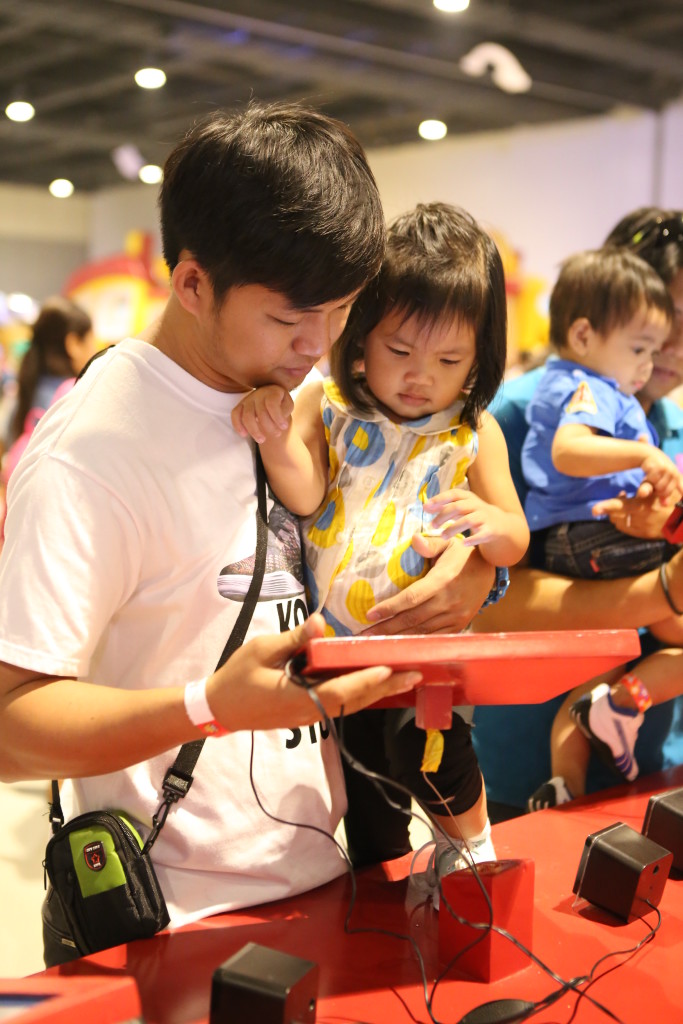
x=198, y=710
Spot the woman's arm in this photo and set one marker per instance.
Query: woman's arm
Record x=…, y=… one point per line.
x=291, y=439
x=539, y=600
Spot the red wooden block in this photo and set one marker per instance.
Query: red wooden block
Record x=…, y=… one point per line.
x=434, y=706
x=510, y=886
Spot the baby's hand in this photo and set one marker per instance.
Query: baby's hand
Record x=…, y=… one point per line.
x=458, y=510
x=661, y=473
x=263, y=413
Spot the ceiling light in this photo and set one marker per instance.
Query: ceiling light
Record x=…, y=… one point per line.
x=20, y=110
x=432, y=130
x=150, y=78
x=506, y=71
x=451, y=6
x=61, y=188
x=151, y=174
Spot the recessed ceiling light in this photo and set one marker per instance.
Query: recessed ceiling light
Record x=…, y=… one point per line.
x=432, y=130
x=150, y=78
x=451, y=6
x=20, y=110
x=61, y=188
x=151, y=174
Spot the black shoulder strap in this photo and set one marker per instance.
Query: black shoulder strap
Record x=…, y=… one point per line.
x=178, y=778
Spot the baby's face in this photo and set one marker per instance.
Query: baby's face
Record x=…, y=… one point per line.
x=627, y=353
x=414, y=369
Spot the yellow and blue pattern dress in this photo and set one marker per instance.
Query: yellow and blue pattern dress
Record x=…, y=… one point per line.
x=358, y=543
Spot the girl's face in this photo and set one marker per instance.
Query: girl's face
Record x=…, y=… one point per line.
x=413, y=369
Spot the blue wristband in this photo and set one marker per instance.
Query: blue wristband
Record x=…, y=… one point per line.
x=499, y=588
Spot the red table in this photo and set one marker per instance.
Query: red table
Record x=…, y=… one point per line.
x=374, y=979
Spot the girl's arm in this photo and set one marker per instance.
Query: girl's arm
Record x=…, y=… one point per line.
x=291, y=438
x=490, y=510
x=578, y=451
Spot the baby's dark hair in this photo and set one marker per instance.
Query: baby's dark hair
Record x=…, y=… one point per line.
x=606, y=286
x=439, y=265
x=656, y=235
x=277, y=195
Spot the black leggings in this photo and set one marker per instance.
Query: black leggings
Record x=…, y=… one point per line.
x=387, y=741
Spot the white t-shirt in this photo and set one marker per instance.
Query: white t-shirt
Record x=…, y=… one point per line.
x=130, y=527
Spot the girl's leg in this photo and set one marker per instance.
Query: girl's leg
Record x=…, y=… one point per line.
x=453, y=795
x=610, y=716
x=375, y=831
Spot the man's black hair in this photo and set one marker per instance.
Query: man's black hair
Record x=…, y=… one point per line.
x=277, y=195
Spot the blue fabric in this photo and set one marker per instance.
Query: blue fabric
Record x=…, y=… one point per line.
x=512, y=742
x=570, y=393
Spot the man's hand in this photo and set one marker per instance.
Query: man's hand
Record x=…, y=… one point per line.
x=263, y=413
x=444, y=601
x=252, y=691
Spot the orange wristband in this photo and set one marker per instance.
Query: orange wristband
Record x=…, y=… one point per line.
x=636, y=687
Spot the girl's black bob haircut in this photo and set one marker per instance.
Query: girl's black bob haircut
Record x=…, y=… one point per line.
x=439, y=265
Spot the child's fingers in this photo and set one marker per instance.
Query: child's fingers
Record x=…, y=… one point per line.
x=237, y=421
x=455, y=494
x=277, y=406
x=252, y=423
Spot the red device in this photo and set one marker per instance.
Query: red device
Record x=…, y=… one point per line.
x=475, y=668
x=510, y=888
x=673, y=527
x=53, y=999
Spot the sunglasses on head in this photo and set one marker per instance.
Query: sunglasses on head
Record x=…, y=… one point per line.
x=659, y=231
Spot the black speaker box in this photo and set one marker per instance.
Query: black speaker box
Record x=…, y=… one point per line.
x=663, y=823
x=620, y=869
x=263, y=985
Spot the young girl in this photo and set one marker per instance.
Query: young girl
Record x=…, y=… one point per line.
x=391, y=460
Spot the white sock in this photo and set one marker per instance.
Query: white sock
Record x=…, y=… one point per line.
x=480, y=846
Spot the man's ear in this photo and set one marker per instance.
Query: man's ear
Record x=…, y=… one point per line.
x=580, y=335
x=191, y=285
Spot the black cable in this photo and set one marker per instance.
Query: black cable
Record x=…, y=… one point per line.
x=521, y=1010
x=628, y=953
x=354, y=889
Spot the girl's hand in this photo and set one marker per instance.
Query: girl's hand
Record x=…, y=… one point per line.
x=263, y=413
x=460, y=509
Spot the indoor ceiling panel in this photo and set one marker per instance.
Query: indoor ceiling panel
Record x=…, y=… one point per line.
x=380, y=65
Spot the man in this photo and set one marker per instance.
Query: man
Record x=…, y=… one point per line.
x=131, y=532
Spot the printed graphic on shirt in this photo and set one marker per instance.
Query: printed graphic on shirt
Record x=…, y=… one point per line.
x=283, y=574
x=582, y=400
